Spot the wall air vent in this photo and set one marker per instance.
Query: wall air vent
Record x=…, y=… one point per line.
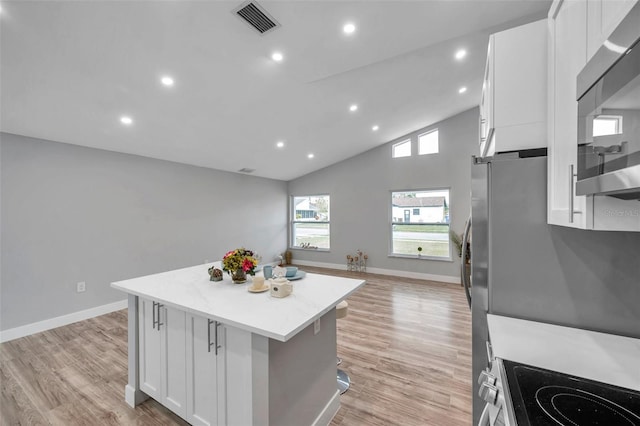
x=255, y=15
x=246, y=170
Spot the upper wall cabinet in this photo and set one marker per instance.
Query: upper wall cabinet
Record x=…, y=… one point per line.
x=570, y=36
x=603, y=16
x=513, y=105
x=567, y=56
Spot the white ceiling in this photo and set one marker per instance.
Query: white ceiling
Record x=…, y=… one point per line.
x=71, y=69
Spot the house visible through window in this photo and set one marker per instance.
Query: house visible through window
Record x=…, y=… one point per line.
x=427, y=227
x=401, y=149
x=428, y=143
x=310, y=221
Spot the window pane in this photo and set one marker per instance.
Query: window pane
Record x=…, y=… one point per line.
x=311, y=208
x=606, y=125
x=427, y=226
x=434, y=240
x=314, y=234
x=402, y=149
x=428, y=143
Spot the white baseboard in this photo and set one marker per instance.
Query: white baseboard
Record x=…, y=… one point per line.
x=329, y=411
x=381, y=271
x=48, y=324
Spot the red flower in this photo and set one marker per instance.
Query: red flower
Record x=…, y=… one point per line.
x=247, y=265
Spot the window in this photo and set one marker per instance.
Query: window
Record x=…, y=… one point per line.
x=607, y=125
x=310, y=221
x=428, y=143
x=429, y=229
x=401, y=149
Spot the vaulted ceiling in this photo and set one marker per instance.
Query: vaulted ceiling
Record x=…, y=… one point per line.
x=70, y=70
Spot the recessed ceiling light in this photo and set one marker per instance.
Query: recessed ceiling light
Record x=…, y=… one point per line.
x=277, y=56
x=461, y=54
x=375, y=128
x=280, y=144
x=167, y=81
x=462, y=89
x=353, y=108
x=310, y=156
x=349, y=28
x=126, y=120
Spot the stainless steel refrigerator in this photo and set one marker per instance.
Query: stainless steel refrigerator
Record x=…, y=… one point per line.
x=508, y=208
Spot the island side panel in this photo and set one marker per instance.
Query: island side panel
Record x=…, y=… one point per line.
x=302, y=376
x=133, y=394
x=247, y=373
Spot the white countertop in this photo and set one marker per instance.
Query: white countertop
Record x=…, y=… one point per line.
x=602, y=357
x=189, y=289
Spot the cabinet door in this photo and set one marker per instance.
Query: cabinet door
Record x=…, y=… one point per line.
x=613, y=11
x=174, y=388
x=603, y=18
x=567, y=57
x=205, y=372
x=149, y=349
x=486, y=103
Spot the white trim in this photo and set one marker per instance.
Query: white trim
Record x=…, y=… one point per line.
x=392, y=272
x=134, y=397
x=329, y=411
x=48, y=324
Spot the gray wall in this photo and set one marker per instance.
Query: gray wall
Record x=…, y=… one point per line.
x=71, y=214
x=360, y=195
x=554, y=274
x=585, y=279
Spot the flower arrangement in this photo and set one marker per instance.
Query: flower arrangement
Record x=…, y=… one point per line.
x=240, y=259
x=357, y=262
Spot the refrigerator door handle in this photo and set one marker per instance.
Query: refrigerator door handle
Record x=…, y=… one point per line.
x=485, y=420
x=463, y=261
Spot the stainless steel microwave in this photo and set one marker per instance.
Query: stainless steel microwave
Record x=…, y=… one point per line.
x=608, y=90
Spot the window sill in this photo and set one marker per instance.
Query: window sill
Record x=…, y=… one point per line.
x=413, y=256
x=324, y=250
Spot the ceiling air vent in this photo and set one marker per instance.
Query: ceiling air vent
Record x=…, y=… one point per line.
x=246, y=170
x=255, y=15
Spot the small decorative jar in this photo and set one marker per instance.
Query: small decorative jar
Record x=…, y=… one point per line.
x=215, y=274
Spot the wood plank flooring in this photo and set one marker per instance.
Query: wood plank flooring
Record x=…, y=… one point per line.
x=406, y=344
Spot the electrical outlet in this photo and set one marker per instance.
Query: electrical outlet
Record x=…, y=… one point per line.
x=81, y=286
x=316, y=326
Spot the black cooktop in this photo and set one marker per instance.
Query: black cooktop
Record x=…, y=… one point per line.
x=542, y=397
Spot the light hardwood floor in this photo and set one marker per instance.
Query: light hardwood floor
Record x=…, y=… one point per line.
x=406, y=345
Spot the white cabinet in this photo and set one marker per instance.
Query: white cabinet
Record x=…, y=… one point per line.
x=513, y=105
x=603, y=16
x=206, y=379
x=182, y=362
x=162, y=354
x=569, y=36
x=173, y=359
x=150, y=349
x=486, y=104
x=567, y=56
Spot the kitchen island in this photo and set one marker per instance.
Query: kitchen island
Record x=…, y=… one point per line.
x=215, y=353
